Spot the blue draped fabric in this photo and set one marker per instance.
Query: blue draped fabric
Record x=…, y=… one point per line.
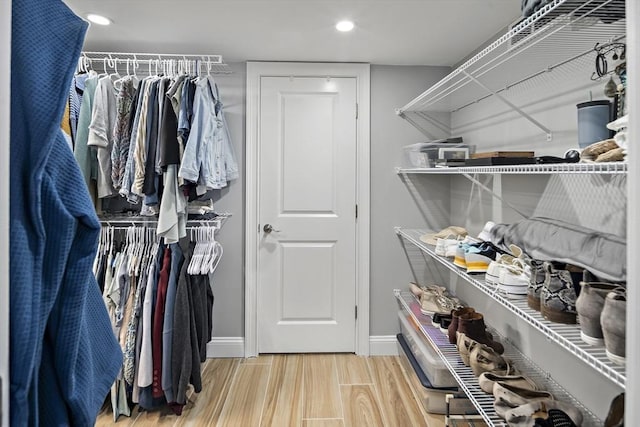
x=63, y=355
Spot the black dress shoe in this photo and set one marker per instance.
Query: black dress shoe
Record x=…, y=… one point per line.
x=555, y=418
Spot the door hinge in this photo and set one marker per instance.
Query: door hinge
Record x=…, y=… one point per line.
x=356, y=111
x=356, y=211
x=258, y=228
x=356, y=311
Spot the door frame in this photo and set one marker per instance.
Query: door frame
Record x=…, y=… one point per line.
x=632, y=390
x=362, y=73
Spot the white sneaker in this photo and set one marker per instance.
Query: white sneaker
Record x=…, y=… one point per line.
x=513, y=281
x=446, y=247
x=485, y=234
x=492, y=276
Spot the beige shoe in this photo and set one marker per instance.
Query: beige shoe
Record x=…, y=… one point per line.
x=416, y=289
x=483, y=358
x=615, y=155
x=434, y=299
x=488, y=379
x=509, y=397
x=465, y=345
x=594, y=150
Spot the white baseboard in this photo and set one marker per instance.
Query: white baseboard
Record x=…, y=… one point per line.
x=225, y=347
x=383, y=345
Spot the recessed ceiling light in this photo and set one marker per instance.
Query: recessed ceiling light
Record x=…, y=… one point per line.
x=98, y=19
x=344, y=26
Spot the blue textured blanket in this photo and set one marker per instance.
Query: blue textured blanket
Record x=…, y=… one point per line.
x=63, y=354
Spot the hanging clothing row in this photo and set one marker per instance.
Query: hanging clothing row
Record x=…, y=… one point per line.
x=158, y=141
x=160, y=302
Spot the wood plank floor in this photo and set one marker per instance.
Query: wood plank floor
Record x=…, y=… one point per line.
x=310, y=390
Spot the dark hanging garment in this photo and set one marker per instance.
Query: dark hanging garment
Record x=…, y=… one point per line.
x=153, y=115
x=168, y=141
x=203, y=298
x=210, y=299
x=158, y=319
x=186, y=355
x=149, y=187
x=186, y=110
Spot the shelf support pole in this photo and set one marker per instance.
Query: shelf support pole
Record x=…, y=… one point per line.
x=497, y=196
x=416, y=125
x=512, y=105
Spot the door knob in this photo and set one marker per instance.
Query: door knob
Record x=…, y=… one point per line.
x=268, y=228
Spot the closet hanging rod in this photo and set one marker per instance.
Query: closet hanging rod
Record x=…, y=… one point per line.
x=153, y=221
x=189, y=226
x=214, y=63
x=217, y=59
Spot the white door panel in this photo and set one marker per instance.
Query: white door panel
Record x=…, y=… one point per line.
x=307, y=272
x=305, y=157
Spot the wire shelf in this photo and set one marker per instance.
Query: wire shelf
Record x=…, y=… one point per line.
x=560, y=33
x=566, y=336
x=551, y=50
x=468, y=381
x=557, y=168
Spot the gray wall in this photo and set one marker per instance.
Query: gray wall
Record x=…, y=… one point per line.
x=392, y=202
x=228, y=281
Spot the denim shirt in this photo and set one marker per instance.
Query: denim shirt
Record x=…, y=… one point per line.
x=225, y=160
x=208, y=157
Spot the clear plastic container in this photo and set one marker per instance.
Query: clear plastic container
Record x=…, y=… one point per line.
x=425, y=154
x=433, y=400
x=430, y=362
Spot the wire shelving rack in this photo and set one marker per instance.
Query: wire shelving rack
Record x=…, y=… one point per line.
x=566, y=336
x=468, y=381
x=542, y=169
x=552, y=46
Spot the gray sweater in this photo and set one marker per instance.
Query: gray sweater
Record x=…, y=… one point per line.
x=548, y=239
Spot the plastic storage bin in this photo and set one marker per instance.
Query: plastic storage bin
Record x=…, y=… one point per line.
x=425, y=154
x=429, y=361
x=432, y=399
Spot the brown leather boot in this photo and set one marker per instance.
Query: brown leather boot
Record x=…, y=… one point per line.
x=453, y=326
x=473, y=327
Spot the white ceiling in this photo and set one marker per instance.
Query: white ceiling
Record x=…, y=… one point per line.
x=399, y=32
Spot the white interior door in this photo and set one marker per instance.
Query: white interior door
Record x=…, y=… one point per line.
x=307, y=195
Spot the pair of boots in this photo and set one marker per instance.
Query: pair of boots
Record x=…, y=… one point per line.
x=552, y=292
x=467, y=321
x=602, y=310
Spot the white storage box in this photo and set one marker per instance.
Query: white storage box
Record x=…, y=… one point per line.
x=433, y=399
x=430, y=362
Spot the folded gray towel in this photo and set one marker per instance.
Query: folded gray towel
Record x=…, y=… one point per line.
x=546, y=239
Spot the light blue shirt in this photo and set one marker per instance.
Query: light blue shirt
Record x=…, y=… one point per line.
x=208, y=156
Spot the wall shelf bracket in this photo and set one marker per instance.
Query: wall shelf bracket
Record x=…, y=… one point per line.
x=511, y=105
